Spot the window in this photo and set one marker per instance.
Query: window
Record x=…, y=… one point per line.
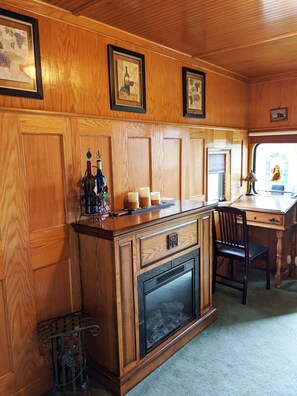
x=216, y=180
x=275, y=167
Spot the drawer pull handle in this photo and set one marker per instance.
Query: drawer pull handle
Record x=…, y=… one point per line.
x=255, y=218
x=172, y=240
x=273, y=220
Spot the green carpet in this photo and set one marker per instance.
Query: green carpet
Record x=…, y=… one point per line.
x=249, y=350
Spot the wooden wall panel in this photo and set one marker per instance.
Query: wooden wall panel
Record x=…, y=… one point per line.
x=45, y=180
x=52, y=290
x=1, y=262
x=237, y=168
x=19, y=295
x=139, y=163
x=272, y=93
x=5, y=363
x=196, y=169
x=172, y=169
x=75, y=75
x=49, y=190
x=49, y=246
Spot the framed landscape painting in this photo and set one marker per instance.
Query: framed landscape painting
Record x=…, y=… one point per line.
x=126, y=80
x=20, y=68
x=193, y=93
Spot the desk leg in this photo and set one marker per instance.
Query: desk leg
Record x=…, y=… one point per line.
x=279, y=248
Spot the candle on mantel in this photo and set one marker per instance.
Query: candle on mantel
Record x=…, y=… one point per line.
x=133, y=200
x=144, y=197
x=155, y=198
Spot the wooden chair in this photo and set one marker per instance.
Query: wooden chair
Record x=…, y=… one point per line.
x=230, y=239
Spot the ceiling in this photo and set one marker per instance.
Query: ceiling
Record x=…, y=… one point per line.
x=253, y=38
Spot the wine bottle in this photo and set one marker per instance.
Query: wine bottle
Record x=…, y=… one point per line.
x=89, y=185
x=99, y=175
x=102, y=190
x=127, y=80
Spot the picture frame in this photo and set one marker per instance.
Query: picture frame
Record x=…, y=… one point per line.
x=280, y=114
x=20, y=67
x=193, y=93
x=126, y=80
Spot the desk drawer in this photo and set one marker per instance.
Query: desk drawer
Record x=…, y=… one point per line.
x=165, y=242
x=268, y=218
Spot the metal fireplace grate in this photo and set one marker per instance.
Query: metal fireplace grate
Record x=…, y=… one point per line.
x=64, y=338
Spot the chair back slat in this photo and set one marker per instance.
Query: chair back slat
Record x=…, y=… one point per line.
x=232, y=227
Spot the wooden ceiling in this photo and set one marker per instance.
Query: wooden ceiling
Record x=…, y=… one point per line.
x=253, y=38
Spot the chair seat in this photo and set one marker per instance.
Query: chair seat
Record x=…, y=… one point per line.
x=255, y=251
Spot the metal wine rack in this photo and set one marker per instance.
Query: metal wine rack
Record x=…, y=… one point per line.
x=64, y=338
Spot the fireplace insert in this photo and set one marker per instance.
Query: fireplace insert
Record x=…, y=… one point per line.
x=168, y=299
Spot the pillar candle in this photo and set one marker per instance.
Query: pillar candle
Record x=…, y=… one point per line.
x=133, y=201
x=155, y=198
x=133, y=196
x=144, y=197
x=144, y=192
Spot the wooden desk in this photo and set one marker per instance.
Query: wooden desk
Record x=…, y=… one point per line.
x=276, y=213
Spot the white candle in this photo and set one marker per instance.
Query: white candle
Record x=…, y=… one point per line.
x=155, y=196
x=144, y=192
x=133, y=196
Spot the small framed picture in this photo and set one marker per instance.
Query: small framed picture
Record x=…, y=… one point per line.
x=193, y=93
x=20, y=68
x=126, y=80
x=280, y=114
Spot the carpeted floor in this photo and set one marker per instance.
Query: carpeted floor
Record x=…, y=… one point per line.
x=249, y=350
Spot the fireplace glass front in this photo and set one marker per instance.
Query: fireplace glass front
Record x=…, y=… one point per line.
x=168, y=299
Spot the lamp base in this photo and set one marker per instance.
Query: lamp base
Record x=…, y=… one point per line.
x=251, y=190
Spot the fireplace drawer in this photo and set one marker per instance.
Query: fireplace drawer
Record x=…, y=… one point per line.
x=162, y=243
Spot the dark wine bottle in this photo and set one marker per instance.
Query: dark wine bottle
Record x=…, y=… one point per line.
x=127, y=80
x=89, y=185
x=99, y=174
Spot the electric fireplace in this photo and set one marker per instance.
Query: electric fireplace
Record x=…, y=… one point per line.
x=168, y=299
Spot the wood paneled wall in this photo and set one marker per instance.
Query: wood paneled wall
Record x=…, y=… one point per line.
x=75, y=74
x=42, y=159
x=272, y=93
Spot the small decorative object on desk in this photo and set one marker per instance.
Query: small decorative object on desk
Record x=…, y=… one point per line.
x=95, y=199
x=251, y=179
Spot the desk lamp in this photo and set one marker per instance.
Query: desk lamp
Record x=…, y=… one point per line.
x=251, y=179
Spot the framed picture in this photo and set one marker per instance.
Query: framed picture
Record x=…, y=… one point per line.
x=126, y=80
x=20, y=69
x=280, y=114
x=193, y=93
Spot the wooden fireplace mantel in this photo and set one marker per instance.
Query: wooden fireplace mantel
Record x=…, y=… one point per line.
x=113, y=253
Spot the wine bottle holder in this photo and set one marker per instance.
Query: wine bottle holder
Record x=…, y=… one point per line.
x=94, y=205
x=89, y=205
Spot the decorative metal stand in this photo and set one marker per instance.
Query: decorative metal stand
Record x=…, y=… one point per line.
x=64, y=337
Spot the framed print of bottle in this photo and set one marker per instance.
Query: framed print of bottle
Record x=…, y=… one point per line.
x=126, y=80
